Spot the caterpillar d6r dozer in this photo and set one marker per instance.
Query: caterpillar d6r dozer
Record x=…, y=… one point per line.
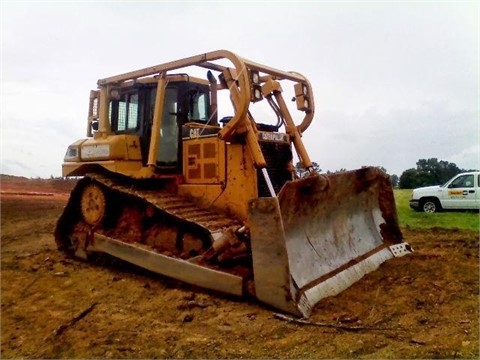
x=168, y=186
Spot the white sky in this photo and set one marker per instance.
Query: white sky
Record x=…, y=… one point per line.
x=394, y=82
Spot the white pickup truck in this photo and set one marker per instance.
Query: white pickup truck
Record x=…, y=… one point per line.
x=461, y=192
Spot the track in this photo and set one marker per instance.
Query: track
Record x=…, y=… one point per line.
x=154, y=220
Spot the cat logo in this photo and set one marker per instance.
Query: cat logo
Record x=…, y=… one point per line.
x=194, y=133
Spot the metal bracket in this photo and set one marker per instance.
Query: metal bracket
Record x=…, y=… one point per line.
x=399, y=250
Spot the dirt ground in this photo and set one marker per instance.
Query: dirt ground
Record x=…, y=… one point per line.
x=425, y=305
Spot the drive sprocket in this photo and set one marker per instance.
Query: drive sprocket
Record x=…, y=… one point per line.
x=92, y=204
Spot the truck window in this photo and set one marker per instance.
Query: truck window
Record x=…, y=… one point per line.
x=465, y=181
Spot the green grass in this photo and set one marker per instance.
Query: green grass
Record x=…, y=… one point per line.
x=448, y=219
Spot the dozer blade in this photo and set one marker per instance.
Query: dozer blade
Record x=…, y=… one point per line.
x=321, y=235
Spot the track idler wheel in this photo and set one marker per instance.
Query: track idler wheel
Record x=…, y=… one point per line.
x=92, y=204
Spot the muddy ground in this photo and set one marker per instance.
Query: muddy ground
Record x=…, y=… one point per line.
x=425, y=305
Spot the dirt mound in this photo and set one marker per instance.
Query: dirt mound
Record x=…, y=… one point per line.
x=21, y=186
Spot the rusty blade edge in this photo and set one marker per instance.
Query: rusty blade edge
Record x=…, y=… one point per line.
x=341, y=281
x=333, y=273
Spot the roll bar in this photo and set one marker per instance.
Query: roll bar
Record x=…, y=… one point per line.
x=242, y=69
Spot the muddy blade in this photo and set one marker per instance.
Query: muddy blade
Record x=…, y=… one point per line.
x=321, y=235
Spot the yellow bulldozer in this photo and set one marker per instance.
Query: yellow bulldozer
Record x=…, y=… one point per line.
x=168, y=185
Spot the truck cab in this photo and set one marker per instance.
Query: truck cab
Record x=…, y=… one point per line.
x=462, y=192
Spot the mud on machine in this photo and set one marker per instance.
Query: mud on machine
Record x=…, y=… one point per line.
x=168, y=186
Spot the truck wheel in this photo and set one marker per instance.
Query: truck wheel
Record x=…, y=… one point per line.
x=430, y=205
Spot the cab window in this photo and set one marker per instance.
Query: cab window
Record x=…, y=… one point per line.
x=465, y=181
x=198, y=106
x=124, y=113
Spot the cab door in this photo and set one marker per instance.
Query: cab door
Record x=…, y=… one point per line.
x=184, y=102
x=167, y=152
x=461, y=193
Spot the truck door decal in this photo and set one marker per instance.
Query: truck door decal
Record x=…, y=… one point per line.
x=455, y=193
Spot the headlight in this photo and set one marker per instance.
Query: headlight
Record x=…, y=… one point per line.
x=255, y=86
x=255, y=76
x=72, y=154
x=302, y=96
x=305, y=89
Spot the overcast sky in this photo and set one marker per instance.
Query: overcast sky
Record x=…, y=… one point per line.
x=394, y=82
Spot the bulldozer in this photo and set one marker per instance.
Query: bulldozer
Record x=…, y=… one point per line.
x=168, y=185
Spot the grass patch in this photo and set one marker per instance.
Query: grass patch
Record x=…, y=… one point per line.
x=447, y=219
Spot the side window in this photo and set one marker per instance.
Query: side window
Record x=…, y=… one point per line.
x=132, y=119
x=465, y=181
x=198, y=106
x=123, y=113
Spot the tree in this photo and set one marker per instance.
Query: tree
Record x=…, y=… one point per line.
x=408, y=179
x=437, y=172
x=395, y=180
x=428, y=172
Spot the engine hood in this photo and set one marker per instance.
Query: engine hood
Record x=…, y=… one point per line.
x=427, y=188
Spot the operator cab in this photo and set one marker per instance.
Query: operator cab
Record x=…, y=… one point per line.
x=186, y=103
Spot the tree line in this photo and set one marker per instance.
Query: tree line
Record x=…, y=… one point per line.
x=428, y=172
